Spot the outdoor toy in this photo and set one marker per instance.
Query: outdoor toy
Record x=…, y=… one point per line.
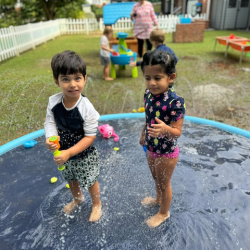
x=29, y=144
x=141, y=110
x=53, y=180
x=232, y=36
x=116, y=149
x=55, y=140
x=134, y=110
x=122, y=56
x=108, y=131
x=242, y=45
x=67, y=185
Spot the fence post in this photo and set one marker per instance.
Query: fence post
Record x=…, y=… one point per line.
x=31, y=36
x=87, y=26
x=14, y=40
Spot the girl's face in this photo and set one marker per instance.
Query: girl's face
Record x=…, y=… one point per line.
x=71, y=85
x=157, y=82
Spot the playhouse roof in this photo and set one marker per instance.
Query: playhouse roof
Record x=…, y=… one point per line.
x=114, y=11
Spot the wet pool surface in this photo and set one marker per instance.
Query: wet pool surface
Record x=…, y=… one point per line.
x=210, y=207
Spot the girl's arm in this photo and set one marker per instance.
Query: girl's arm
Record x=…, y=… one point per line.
x=172, y=132
x=108, y=49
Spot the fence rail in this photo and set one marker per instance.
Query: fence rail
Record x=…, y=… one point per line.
x=17, y=39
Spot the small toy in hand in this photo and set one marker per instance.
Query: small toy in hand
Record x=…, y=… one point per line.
x=108, y=131
x=55, y=140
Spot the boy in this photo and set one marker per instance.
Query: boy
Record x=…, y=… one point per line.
x=72, y=118
x=157, y=39
x=105, y=52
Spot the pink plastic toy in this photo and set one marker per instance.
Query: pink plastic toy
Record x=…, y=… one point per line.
x=108, y=131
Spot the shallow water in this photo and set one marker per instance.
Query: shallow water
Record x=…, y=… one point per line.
x=210, y=207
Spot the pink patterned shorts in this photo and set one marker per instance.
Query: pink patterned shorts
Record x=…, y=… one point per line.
x=175, y=154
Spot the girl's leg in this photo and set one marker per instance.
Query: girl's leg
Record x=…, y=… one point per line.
x=149, y=45
x=140, y=47
x=150, y=200
x=96, y=213
x=106, y=73
x=77, y=195
x=164, y=168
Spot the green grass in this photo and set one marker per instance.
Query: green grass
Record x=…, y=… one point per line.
x=27, y=82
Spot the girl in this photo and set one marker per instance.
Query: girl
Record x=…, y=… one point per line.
x=105, y=52
x=71, y=116
x=165, y=112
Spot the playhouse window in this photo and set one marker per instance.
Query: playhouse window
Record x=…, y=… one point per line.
x=244, y=3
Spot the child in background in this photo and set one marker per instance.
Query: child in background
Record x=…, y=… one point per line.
x=72, y=117
x=165, y=112
x=157, y=39
x=105, y=52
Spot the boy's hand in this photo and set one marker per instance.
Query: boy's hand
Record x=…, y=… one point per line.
x=158, y=129
x=132, y=64
x=63, y=157
x=142, y=139
x=51, y=146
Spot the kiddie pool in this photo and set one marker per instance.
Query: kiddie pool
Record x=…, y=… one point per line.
x=211, y=193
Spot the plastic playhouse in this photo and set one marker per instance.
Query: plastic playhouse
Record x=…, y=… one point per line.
x=125, y=47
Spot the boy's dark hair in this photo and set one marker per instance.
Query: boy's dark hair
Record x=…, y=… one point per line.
x=163, y=58
x=67, y=63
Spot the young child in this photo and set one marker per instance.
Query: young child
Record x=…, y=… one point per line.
x=105, y=52
x=165, y=112
x=157, y=39
x=72, y=117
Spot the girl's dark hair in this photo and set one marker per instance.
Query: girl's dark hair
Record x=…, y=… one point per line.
x=163, y=58
x=67, y=63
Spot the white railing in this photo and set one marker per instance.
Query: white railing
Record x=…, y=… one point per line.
x=17, y=39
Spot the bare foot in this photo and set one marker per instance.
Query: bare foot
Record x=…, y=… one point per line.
x=150, y=201
x=70, y=206
x=96, y=213
x=109, y=79
x=157, y=219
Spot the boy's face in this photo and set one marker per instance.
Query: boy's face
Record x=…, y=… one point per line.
x=71, y=85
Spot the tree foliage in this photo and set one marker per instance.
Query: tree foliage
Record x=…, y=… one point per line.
x=38, y=10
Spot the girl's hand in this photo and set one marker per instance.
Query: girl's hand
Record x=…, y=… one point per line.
x=63, y=157
x=158, y=129
x=51, y=146
x=142, y=139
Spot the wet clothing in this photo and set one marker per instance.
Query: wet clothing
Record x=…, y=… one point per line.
x=168, y=107
x=164, y=48
x=72, y=125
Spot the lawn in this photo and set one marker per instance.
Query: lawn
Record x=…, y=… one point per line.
x=213, y=87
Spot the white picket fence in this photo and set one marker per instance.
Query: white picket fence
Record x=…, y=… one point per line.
x=17, y=39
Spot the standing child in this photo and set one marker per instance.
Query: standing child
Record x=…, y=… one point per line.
x=157, y=39
x=105, y=52
x=72, y=117
x=165, y=112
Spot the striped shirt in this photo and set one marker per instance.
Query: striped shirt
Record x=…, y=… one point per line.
x=144, y=19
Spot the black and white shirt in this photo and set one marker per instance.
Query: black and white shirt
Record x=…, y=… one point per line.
x=70, y=124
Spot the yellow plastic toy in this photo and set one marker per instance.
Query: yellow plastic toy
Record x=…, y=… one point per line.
x=134, y=110
x=54, y=139
x=53, y=180
x=116, y=149
x=141, y=110
x=67, y=185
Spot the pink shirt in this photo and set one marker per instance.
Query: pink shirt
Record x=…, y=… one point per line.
x=145, y=17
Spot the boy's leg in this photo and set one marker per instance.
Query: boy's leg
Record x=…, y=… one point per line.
x=164, y=168
x=96, y=213
x=77, y=195
x=106, y=74
x=151, y=200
